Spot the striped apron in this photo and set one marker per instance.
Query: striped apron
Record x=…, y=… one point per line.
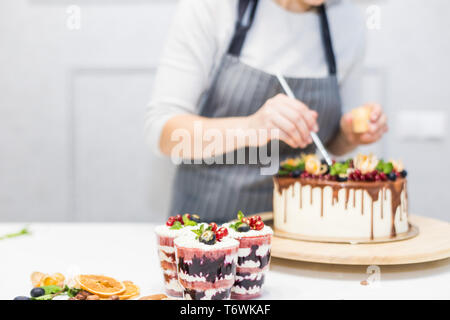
x=216, y=192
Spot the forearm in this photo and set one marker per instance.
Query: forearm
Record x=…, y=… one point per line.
x=340, y=145
x=208, y=137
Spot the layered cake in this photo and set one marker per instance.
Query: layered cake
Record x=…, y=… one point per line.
x=165, y=235
x=361, y=199
x=253, y=255
x=206, y=263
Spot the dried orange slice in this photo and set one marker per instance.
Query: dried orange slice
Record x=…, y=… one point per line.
x=100, y=285
x=131, y=291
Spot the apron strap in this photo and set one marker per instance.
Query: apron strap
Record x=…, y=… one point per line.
x=246, y=14
x=326, y=40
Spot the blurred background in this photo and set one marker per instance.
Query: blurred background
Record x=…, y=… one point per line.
x=76, y=76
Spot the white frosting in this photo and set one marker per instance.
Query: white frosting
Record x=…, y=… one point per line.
x=197, y=278
x=241, y=290
x=250, y=264
x=191, y=242
x=261, y=251
x=173, y=284
x=208, y=294
x=251, y=233
x=337, y=220
x=165, y=231
x=167, y=249
x=164, y=257
x=252, y=276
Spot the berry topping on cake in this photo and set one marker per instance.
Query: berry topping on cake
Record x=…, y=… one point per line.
x=211, y=234
x=245, y=224
x=180, y=221
x=366, y=168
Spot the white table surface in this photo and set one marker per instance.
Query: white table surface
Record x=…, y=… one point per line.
x=128, y=252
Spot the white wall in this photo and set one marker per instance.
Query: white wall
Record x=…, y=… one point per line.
x=72, y=104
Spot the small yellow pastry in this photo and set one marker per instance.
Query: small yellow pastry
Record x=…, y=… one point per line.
x=361, y=118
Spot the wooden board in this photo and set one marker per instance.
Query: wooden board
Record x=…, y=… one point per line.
x=432, y=243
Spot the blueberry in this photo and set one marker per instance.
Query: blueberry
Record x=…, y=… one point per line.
x=392, y=176
x=37, y=292
x=342, y=179
x=195, y=218
x=296, y=173
x=208, y=237
x=243, y=228
x=404, y=173
x=22, y=298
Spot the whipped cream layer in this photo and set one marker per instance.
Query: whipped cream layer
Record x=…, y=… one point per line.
x=340, y=210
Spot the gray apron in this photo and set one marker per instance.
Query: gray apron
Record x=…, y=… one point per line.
x=217, y=192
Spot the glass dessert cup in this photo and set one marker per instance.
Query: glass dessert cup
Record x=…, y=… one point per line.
x=253, y=262
x=206, y=272
x=166, y=254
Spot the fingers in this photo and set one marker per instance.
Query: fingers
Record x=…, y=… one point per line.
x=288, y=131
x=376, y=112
x=309, y=116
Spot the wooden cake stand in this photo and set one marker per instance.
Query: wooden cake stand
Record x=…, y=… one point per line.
x=430, y=244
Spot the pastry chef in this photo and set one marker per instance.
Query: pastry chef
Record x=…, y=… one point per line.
x=217, y=73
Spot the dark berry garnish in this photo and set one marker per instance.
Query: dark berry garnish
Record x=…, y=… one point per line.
x=243, y=228
x=37, y=292
x=383, y=176
x=404, y=173
x=195, y=218
x=296, y=173
x=208, y=237
x=22, y=298
x=392, y=176
x=341, y=179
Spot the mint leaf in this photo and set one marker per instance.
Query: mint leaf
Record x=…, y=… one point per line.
x=44, y=297
x=388, y=167
x=71, y=292
x=187, y=221
x=22, y=232
x=176, y=226
x=199, y=231
x=52, y=289
x=240, y=215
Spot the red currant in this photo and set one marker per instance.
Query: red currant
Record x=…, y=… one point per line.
x=246, y=221
x=219, y=235
x=223, y=231
x=259, y=225
x=258, y=218
x=252, y=221
x=213, y=226
x=170, y=221
x=178, y=217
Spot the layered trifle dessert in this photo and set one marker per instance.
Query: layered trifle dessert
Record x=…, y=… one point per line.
x=206, y=263
x=360, y=199
x=253, y=256
x=165, y=235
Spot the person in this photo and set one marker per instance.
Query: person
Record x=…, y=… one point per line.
x=218, y=72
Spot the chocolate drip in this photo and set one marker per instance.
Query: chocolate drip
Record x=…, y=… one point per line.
x=301, y=202
x=321, y=207
x=211, y=269
x=372, y=188
x=248, y=283
x=263, y=260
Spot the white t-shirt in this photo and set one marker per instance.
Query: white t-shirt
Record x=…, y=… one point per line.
x=279, y=40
